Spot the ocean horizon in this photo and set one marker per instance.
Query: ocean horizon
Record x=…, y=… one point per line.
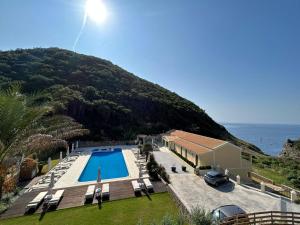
x=270, y=138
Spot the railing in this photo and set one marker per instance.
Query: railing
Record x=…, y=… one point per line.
x=286, y=191
x=260, y=178
x=276, y=188
x=264, y=218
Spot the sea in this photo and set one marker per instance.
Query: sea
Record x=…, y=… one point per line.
x=270, y=138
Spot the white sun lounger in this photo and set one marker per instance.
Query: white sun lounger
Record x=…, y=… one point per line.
x=136, y=186
x=105, y=189
x=90, y=192
x=56, y=198
x=148, y=184
x=36, y=201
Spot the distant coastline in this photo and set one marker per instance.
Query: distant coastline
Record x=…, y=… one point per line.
x=268, y=137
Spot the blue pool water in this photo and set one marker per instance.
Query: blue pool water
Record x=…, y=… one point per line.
x=112, y=165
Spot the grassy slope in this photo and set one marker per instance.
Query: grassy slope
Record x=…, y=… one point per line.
x=281, y=170
x=125, y=212
x=271, y=174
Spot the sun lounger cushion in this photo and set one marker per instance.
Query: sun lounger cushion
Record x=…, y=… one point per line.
x=148, y=184
x=105, y=189
x=56, y=197
x=90, y=191
x=136, y=186
x=37, y=200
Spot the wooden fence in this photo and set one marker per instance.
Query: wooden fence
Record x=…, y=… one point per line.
x=265, y=218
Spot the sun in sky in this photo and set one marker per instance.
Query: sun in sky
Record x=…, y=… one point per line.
x=96, y=11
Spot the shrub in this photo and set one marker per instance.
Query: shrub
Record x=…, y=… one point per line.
x=200, y=216
x=27, y=168
x=163, y=174
x=292, y=175
x=184, y=159
x=3, y=207
x=167, y=220
x=9, y=184
x=296, y=182
x=34, y=156
x=154, y=170
x=152, y=167
x=204, y=167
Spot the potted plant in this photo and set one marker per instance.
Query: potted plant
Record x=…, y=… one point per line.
x=173, y=168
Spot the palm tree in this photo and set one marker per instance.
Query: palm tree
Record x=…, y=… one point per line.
x=27, y=127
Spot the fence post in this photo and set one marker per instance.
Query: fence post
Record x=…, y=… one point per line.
x=262, y=187
x=293, y=195
x=271, y=217
x=238, y=179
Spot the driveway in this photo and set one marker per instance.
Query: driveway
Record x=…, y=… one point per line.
x=193, y=191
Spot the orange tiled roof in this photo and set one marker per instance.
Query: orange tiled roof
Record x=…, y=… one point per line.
x=171, y=138
x=191, y=146
x=203, y=141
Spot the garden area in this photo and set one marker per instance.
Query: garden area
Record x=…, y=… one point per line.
x=128, y=211
x=281, y=170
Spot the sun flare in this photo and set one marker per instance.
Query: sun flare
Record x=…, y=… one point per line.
x=96, y=11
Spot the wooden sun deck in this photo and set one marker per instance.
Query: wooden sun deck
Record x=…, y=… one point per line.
x=74, y=196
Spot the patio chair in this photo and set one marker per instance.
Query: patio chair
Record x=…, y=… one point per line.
x=33, y=205
x=56, y=198
x=148, y=184
x=136, y=186
x=90, y=192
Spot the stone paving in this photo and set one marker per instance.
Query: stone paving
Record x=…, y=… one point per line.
x=193, y=191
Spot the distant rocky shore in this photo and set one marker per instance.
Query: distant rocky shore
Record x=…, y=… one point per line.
x=291, y=149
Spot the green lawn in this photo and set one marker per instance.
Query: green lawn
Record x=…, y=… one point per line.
x=123, y=212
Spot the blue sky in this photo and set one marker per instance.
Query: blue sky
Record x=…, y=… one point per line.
x=239, y=60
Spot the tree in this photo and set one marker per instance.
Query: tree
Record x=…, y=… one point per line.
x=147, y=148
x=27, y=126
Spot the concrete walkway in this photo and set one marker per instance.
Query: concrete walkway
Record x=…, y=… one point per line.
x=193, y=191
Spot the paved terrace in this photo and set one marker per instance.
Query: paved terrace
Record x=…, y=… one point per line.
x=193, y=191
x=74, y=196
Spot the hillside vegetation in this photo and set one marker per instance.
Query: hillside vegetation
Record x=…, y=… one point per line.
x=282, y=170
x=113, y=103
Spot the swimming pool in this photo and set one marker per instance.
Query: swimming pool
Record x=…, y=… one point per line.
x=112, y=165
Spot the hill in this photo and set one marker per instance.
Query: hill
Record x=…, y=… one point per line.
x=113, y=103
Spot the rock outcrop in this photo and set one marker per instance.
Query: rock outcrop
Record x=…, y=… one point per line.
x=291, y=149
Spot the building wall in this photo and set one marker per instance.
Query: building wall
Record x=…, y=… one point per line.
x=178, y=149
x=191, y=156
x=172, y=145
x=228, y=156
x=206, y=159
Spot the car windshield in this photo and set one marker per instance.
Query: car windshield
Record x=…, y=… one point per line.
x=218, y=215
x=214, y=174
